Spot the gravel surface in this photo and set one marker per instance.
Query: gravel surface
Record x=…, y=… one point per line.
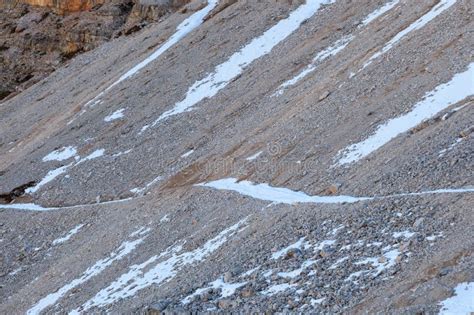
x=150, y=240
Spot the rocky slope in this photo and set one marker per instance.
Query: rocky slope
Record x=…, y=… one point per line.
x=37, y=37
x=287, y=156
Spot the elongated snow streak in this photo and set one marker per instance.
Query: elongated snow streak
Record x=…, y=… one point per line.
x=123, y=250
x=183, y=29
x=115, y=115
x=278, y=195
x=462, y=302
x=68, y=236
x=379, y=12
x=227, y=289
x=321, y=56
x=460, y=87
x=442, y=6
x=35, y=207
x=143, y=190
x=51, y=175
x=61, y=154
x=258, y=47
x=275, y=194
x=333, y=50
x=144, y=275
x=257, y=191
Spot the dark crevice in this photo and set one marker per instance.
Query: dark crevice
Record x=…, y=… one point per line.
x=16, y=193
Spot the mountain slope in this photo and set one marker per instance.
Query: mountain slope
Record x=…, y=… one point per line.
x=286, y=156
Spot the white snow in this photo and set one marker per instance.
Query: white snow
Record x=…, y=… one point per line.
x=35, y=207
x=274, y=194
x=165, y=219
x=431, y=192
x=24, y=206
x=460, y=87
x=140, y=232
x=315, y=302
x=278, y=288
x=322, y=244
x=336, y=264
x=68, y=236
x=249, y=272
x=333, y=50
x=185, y=155
x=122, y=153
x=255, y=156
x=321, y=56
x=403, y=234
x=14, y=272
x=144, y=275
x=296, y=272
x=433, y=237
x=379, y=12
x=94, y=155
x=186, y=27
x=123, y=250
x=61, y=154
x=422, y=21
x=300, y=244
x=290, y=274
x=450, y=148
x=377, y=266
x=461, y=303
x=141, y=191
x=337, y=229
x=51, y=175
x=227, y=289
x=234, y=66
x=115, y=115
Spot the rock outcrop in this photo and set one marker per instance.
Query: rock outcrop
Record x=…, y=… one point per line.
x=37, y=36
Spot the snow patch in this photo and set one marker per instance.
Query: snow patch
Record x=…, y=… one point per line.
x=378, y=265
x=379, y=12
x=165, y=219
x=51, y=175
x=141, y=191
x=123, y=250
x=235, y=65
x=227, y=289
x=186, y=27
x=315, y=302
x=324, y=54
x=460, y=87
x=115, y=115
x=403, y=234
x=185, y=155
x=274, y=194
x=300, y=244
x=462, y=302
x=62, y=154
x=442, y=6
x=255, y=156
x=94, y=155
x=68, y=236
x=144, y=275
x=278, y=288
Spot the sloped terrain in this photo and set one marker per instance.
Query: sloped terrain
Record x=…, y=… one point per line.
x=294, y=156
x=37, y=37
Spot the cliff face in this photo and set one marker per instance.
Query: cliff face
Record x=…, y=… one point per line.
x=70, y=6
x=37, y=36
x=63, y=6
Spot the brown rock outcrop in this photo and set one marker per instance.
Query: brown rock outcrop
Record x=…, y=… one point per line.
x=37, y=36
